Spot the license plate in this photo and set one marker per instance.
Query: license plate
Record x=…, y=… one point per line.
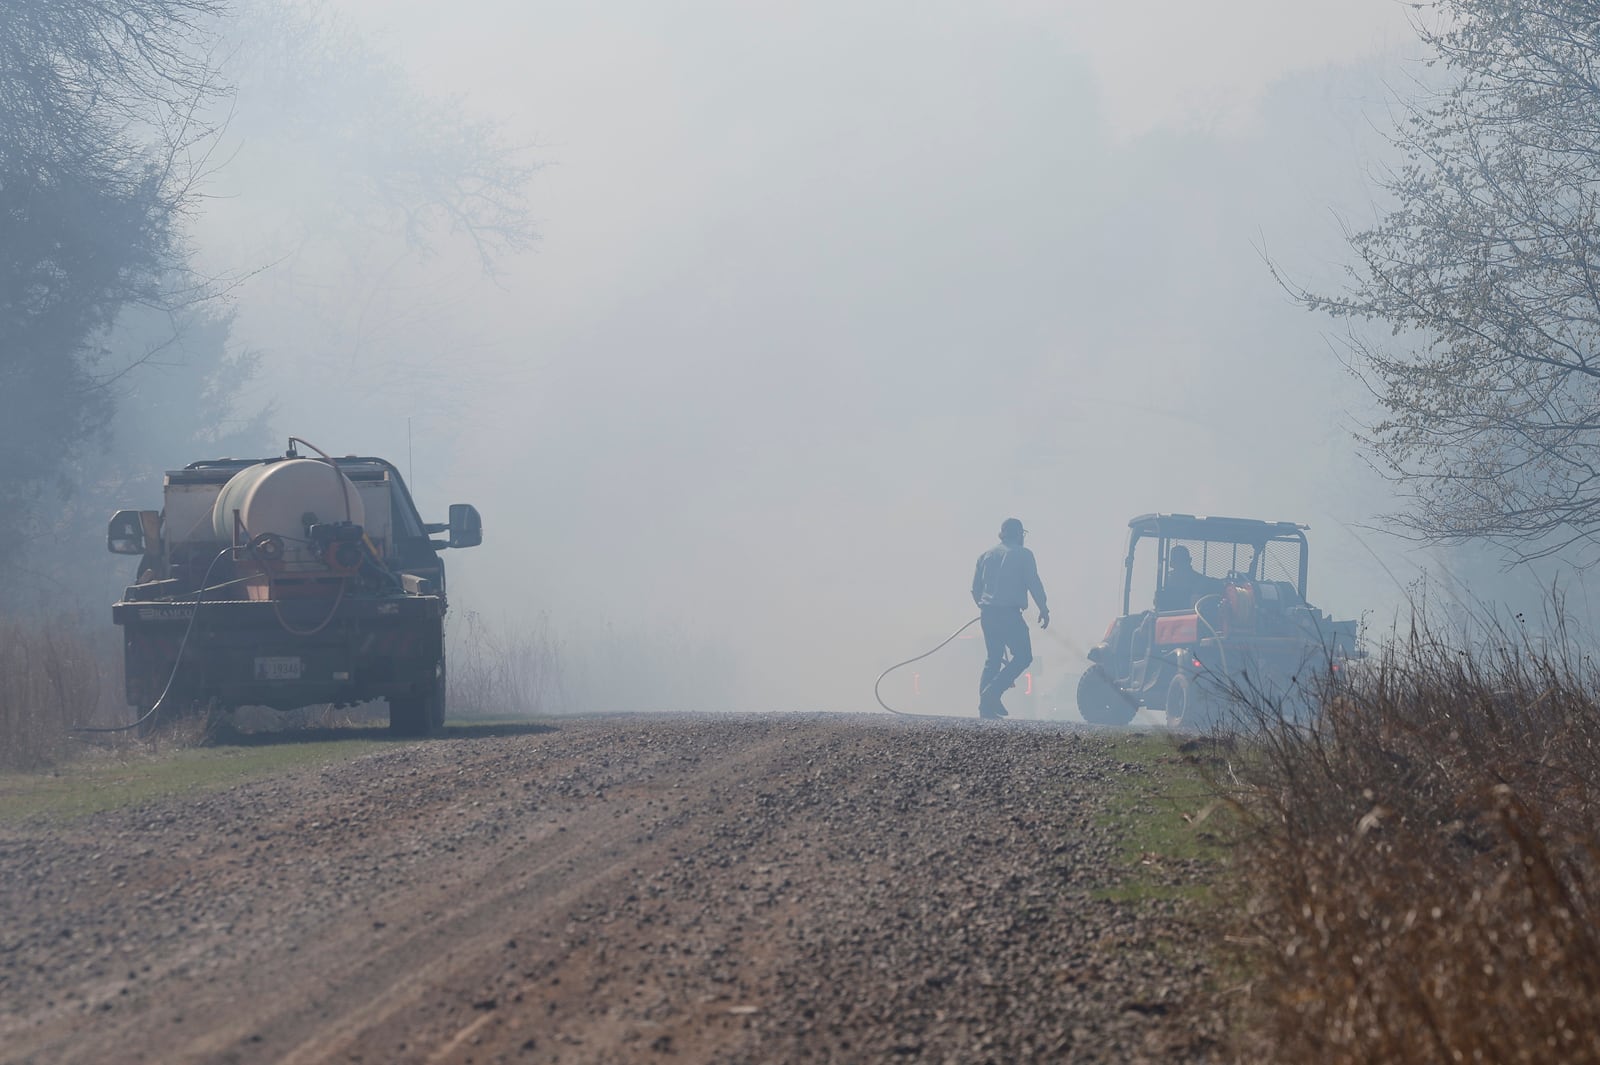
x=285, y=667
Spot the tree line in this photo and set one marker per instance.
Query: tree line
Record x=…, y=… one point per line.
x=1472, y=301
x=111, y=118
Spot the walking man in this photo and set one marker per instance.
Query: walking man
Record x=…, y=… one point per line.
x=1006, y=574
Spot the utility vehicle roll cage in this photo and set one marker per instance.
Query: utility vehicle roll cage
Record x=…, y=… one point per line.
x=1277, y=549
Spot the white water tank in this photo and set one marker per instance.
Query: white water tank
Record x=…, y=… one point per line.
x=283, y=498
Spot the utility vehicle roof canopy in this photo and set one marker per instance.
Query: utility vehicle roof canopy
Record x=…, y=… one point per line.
x=1204, y=527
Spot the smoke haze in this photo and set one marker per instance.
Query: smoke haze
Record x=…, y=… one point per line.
x=822, y=293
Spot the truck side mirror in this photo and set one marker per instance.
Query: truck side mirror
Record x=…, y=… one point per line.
x=466, y=527
x=125, y=533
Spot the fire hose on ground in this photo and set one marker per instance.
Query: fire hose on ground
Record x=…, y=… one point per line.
x=877, y=684
x=205, y=583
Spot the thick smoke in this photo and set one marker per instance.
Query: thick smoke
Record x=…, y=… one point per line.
x=820, y=295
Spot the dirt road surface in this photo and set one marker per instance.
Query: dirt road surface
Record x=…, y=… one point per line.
x=694, y=888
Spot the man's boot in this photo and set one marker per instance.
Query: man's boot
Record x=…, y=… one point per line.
x=989, y=704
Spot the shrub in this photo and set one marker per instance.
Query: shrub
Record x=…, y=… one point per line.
x=1420, y=865
x=507, y=670
x=50, y=681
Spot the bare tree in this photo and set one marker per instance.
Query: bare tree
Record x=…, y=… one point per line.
x=109, y=113
x=100, y=150
x=397, y=161
x=1485, y=274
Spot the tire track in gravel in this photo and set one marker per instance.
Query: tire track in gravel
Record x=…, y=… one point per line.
x=327, y=954
x=513, y=894
x=710, y=888
x=886, y=891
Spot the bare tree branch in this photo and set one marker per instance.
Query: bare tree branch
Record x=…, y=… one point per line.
x=101, y=151
x=1485, y=273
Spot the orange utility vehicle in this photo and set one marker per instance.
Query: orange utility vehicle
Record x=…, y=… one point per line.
x=1236, y=623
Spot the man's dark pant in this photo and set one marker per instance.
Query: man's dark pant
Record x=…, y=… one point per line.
x=1004, y=629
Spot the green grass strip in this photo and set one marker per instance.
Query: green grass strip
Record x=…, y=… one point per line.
x=1156, y=813
x=128, y=777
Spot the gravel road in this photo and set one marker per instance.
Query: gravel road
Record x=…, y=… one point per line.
x=684, y=888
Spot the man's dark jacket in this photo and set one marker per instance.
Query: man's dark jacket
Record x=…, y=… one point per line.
x=1006, y=575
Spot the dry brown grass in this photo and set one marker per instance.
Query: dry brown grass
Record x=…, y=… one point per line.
x=1421, y=865
x=50, y=681
x=509, y=670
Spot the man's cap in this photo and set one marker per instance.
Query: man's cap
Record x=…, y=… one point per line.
x=1011, y=527
x=1179, y=552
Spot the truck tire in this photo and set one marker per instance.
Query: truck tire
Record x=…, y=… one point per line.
x=435, y=703
x=408, y=717
x=421, y=713
x=1100, y=701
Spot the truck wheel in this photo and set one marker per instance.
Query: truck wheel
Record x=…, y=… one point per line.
x=408, y=716
x=1100, y=701
x=435, y=702
x=421, y=713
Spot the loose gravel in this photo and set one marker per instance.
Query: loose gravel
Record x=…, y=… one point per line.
x=696, y=888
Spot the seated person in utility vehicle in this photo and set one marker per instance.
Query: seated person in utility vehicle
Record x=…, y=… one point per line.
x=1182, y=586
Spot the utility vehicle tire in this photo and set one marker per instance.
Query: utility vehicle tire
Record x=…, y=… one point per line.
x=1188, y=704
x=1100, y=701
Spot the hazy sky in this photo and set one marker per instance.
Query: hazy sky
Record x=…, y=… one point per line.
x=824, y=291
x=1148, y=65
